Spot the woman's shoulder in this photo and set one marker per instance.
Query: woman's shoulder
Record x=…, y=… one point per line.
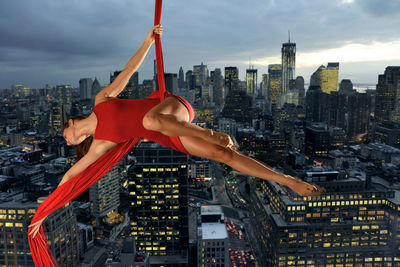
x=102, y=98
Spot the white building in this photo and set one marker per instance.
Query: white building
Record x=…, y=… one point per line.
x=212, y=238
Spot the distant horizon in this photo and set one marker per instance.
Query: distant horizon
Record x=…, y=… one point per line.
x=356, y=86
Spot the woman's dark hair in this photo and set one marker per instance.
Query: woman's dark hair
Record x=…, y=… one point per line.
x=83, y=147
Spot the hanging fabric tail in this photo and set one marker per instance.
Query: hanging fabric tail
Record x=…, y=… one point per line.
x=66, y=192
x=159, y=55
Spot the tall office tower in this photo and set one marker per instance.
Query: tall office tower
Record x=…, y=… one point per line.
x=157, y=185
x=251, y=81
x=264, y=85
x=212, y=249
x=317, y=139
x=217, y=83
x=131, y=89
x=274, y=82
x=85, y=88
x=351, y=225
x=64, y=95
x=190, y=80
x=358, y=113
x=104, y=196
x=299, y=85
x=327, y=108
x=387, y=102
x=231, y=79
x=181, y=78
x=16, y=213
x=238, y=106
x=57, y=118
x=346, y=87
x=326, y=77
x=335, y=110
x=288, y=63
x=200, y=73
x=96, y=87
x=171, y=82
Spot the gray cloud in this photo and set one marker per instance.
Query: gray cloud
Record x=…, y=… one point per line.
x=58, y=42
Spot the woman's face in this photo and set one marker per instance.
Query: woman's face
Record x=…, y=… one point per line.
x=69, y=133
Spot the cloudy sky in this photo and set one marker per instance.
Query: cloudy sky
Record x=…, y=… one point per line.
x=59, y=42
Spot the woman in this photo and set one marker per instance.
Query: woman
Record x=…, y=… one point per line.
x=114, y=120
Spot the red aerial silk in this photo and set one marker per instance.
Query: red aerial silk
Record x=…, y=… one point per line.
x=69, y=190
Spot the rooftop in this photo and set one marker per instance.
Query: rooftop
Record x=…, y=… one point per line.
x=211, y=209
x=214, y=231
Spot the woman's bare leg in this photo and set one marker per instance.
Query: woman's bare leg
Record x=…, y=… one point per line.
x=201, y=148
x=171, y=117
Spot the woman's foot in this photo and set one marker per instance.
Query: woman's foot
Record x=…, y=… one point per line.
x=219, y=138
x=305, y=189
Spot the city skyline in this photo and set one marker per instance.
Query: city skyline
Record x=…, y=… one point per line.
x=59, y=43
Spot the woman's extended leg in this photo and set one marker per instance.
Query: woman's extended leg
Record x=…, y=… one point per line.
x=201, y=148
x=171, y=118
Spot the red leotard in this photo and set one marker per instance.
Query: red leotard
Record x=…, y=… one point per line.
x=119, y=120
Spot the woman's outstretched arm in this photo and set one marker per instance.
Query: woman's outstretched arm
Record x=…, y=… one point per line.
x=119, y=83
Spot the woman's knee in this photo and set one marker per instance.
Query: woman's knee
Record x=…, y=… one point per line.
x=151, y=122
x=222, y=154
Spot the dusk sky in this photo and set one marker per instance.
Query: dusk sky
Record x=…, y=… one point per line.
x=59, y=42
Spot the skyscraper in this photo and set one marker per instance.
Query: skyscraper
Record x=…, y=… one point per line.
x=157, y=185
x=274, y=82
x=85, y=88
x=288, y=63
x=16, y=213
x=217, y=83
x=326, y=77
x=200, y=73
x=387, y=103
x=96, y=87
x=104, y=195
x=231, y=79
x=181, y=79
x=251, y=81
x=299, y=85
x=264, y=84
x=171, y=82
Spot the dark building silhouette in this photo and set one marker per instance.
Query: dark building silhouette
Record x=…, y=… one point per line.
x=387, y=101
x=181, y=78
x=231, y=79
x=238, y=106
x=317, y=140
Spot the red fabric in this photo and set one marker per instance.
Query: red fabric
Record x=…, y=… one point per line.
x=119, y=120
x=69, y=190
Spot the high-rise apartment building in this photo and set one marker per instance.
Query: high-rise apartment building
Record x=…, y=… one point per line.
x=104, y=195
